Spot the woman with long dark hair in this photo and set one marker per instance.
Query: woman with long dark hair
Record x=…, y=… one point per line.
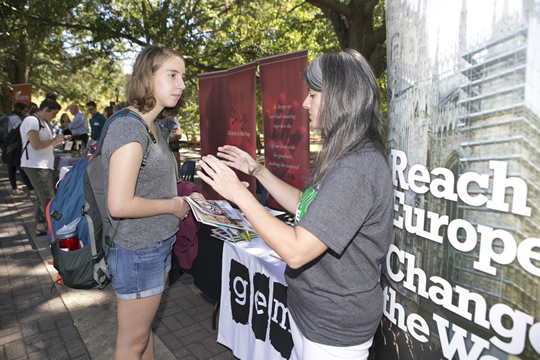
x=64, y=122
x=343, y=224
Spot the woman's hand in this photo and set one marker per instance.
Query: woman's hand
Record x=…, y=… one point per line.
x=180, y=207
x=239, y=160
x=220, y=177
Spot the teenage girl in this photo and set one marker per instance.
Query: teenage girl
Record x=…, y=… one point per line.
x=143, y=199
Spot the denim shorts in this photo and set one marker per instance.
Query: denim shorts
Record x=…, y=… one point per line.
x=140, y=273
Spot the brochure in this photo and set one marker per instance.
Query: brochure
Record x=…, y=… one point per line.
x=233, y=235
x=231, y=224
x=216, y=213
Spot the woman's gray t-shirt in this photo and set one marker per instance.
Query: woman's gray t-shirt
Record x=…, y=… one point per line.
x=157, y=180
x=336, y=299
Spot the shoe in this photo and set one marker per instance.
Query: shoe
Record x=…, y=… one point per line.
x=32, y=194
x=17, y=192
x=41, y=232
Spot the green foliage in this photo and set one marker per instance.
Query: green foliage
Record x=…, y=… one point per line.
x=75, y=48
x=45, y=43
x=217, y=35
x=383, y=85
x=244, y=32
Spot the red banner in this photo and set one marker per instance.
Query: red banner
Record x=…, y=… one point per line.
x=286, y=127
x=22, y=93
x=227, y=101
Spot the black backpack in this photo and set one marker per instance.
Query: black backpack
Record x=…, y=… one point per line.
x=11, y=154
x=4, y=124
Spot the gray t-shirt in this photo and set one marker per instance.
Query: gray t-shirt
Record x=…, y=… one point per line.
x=157, y=180
x=336, y=299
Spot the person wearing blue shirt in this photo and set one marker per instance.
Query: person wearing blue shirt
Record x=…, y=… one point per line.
x=96, y=121
x=79, y=125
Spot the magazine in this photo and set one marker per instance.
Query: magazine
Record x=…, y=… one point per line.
x=231, y=224
x=216, y=213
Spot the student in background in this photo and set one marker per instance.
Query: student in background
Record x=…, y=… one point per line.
x=32, y=108
x=343, y=224
x=38, y=159
x=108, y=112
x=20, y=111
x=96, y=121
x=79, y=125
x=174, y=140
x=64, y=122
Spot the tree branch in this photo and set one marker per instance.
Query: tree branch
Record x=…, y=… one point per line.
x=338, y=7
x=377, y=59
x=379, y=35
x=370, y=5
x=340, y=27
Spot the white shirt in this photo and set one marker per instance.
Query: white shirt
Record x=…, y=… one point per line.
x=42, y=158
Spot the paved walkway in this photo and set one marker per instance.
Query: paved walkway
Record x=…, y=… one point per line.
x=42, y=320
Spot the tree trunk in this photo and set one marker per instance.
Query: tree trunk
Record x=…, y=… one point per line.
x=354, y=28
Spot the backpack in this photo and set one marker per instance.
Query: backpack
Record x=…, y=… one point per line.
x=81, y=194
x=11, y=153
x=4, y=124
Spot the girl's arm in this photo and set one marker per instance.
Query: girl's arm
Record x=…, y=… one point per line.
x=37, y=144
x=124, y=168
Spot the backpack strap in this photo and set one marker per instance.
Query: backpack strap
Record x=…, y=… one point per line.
x=25, y=149
x=127, y=113
x=146, y=153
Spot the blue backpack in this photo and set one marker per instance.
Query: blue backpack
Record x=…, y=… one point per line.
x=81, y=194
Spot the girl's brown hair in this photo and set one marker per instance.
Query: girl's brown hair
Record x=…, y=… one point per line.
x=140, y=87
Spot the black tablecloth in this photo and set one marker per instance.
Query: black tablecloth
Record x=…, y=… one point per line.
x=206, y=268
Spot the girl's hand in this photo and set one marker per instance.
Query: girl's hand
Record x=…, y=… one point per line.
x=239, y=159
x=180, y=207
x=198, y=196
x=58, y=139
x=220, y=177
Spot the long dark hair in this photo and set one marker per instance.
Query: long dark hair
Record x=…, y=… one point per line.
x=349, y=112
